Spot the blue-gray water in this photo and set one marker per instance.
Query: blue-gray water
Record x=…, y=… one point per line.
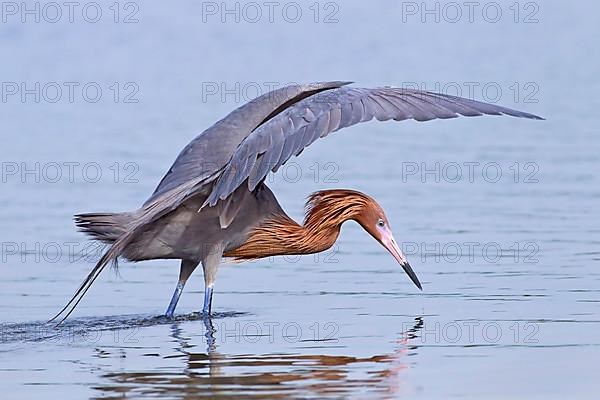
x=509, y=264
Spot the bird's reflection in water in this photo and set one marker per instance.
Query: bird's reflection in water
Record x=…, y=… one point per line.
x=215, y=375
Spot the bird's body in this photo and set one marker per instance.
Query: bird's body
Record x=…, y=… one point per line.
x=188, y=234
x=213, y=201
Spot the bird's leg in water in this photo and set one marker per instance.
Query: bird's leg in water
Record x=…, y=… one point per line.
x=208, y=292
x=210, y=264
x=186, y=269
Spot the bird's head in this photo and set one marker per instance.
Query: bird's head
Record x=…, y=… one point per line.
x=340, y=205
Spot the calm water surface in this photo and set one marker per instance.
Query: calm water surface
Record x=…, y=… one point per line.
x=499, y=216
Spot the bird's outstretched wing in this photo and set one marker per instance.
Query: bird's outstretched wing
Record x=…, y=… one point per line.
x=288, y=133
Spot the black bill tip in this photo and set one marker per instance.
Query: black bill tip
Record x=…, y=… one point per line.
x=411, y=274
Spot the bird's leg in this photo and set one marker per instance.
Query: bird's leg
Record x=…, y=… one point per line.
x=208, y=292
x=210, y=264
x=186, y=269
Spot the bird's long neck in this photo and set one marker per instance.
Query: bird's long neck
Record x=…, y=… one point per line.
x=281, y=235
x=326, y=211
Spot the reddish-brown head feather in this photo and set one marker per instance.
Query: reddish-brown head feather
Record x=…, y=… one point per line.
x=326, y=211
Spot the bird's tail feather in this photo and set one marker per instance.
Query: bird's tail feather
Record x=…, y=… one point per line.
x=119, y=230
x=105, y=227
x=111, y=255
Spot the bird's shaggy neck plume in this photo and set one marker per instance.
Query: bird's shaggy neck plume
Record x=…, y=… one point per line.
x=326, y=211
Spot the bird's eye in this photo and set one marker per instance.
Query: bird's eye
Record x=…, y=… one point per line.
x=380, y=223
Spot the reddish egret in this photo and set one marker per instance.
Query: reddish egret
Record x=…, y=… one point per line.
x=213, y=202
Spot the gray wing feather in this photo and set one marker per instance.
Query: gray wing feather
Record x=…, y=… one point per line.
x=273, y=143
x=210, y=151
x=335, y=116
